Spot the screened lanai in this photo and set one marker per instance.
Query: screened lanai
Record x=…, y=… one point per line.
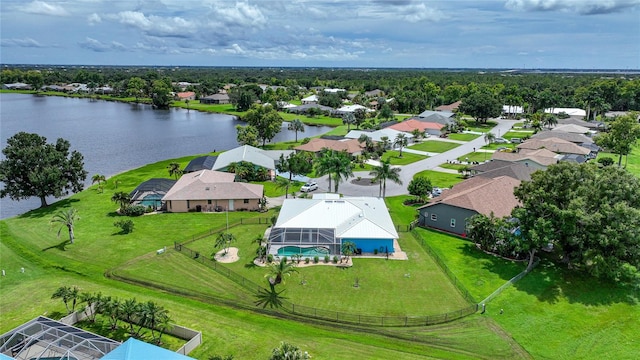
x=304, y=241
x=43, y=338
x=150, y=192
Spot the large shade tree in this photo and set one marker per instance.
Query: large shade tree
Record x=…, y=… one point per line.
x=33, y=167
x=481, y=105
x=589, y=214
x=266, y=120
x=294, y=164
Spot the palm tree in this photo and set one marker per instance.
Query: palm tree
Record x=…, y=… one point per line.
x=323, y=164
x=130, y=310
x=111, y=308
x=296, y=125
x=152, y=315
x=164, y=324
x=67, y=294
x=174, y=170
x=224, y=240
x=417, y=134
x=97, y=178
x=401, y=141
x=489, y=138
x=383, y=173
x=122, y=198
x=283, y=183
x=66, y=218
x=348, y=118
x=549, y=120
x=386, y=143
x=278, y=271
x=348, y=249
x=342, y=168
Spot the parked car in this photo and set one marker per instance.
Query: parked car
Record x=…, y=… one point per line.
x=516, y=140
x=310, y=186
x=500, y=140
x=436, y=191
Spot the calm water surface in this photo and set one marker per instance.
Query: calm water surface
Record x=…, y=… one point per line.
x=115, y=137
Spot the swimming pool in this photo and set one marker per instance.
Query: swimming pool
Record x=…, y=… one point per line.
x=151, y=200
x=304, y=251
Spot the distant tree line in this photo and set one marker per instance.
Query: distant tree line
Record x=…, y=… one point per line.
x=413, y=90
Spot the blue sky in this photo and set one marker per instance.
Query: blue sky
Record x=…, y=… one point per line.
x=580, y=34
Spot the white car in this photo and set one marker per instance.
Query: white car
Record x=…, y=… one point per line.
x=500, y=140
x=310, y=186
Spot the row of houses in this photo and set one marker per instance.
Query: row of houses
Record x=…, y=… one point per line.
x=490, y=189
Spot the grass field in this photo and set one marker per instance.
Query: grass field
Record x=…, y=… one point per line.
x=475, y=156
x=440, y=179
x=49, y=262
x=407, y=158
x=554, y=313
x=463, y=137
x=632, y=161
x=434, y=146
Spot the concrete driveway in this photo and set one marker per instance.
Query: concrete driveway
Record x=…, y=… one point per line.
x=407, y=172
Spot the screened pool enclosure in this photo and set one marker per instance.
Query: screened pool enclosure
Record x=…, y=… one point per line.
x=304, y=241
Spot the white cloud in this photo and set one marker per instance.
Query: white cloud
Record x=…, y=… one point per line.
x=94, y=19
x=585, y=7
x=43, y=8
x=25, y=42
x=242, y=15
x=155, y=25
x=420, y=12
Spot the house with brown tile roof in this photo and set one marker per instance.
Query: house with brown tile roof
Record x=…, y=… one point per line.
x=409, y=125
x=478, y=195
x=538, y=159
x=208, y=190
x=187, y=95
x=316, y=145
x=453, y=107
x=556, y=145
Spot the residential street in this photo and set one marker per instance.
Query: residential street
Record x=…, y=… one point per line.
x=431, y=163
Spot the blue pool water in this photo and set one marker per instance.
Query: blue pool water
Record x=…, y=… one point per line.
x=307, y=252
x=151, y=200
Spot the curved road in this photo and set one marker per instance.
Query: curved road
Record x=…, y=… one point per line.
x=393, y=189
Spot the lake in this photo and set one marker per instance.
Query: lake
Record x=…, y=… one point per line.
x=115, y=137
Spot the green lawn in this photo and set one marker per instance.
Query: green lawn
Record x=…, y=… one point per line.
x=475, y=156
x=407, y=158
x=495, y=146
x=453, y=166
x=327, y=287
x=632, y=162
x=517, y=134
x=434, y=146
x=463, y=137
x=552, y=312
x=28, y=241
x=440, y=179
x=474, y=126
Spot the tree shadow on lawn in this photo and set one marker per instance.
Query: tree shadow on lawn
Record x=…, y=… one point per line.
x=48, y=210
x=62, y=246
x=549, y=282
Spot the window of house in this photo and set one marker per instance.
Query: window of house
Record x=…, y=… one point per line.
x=188, y=204
x=246, y=201
x=453, y=223
x=434, y=217
x=208, y=202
